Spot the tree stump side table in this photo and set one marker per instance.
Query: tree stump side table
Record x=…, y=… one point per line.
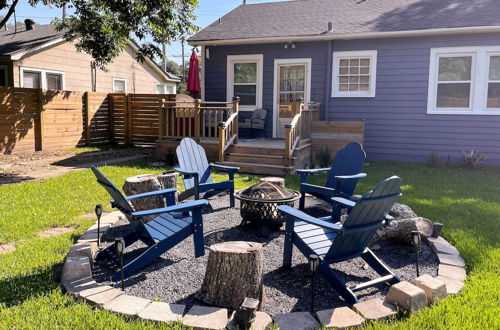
x=146, y=183
x=234, y=271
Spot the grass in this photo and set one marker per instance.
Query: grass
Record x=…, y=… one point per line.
x=467, y=202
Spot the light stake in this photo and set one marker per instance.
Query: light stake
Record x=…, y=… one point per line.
x=98, y=213
x=119, y=247
x=416, y=238
x=313, y=268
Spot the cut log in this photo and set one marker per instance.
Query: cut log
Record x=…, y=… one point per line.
x=400, y=229
x=234, y=271
x=146, y=183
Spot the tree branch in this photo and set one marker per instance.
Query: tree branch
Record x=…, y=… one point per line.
x=11, y=11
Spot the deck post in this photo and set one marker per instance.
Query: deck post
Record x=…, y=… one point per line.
x=288, y=143
x=236, y=109
x=222, y=140
x=197, y=115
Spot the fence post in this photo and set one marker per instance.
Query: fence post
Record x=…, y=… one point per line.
x=197, y=114
x=128, y=107
x=86, y=117
x=236, y=108
x=39, y=122
x=111, y=119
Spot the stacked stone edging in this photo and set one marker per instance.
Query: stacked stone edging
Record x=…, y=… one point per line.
x=407, y=297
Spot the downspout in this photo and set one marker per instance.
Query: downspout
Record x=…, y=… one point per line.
x=328, y=80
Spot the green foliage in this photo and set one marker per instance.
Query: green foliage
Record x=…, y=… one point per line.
x=101, y=28
x=472, y=159
x=324, y=157
x=174, y=68
x=465, y=201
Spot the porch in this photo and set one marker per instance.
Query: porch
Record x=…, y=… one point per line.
x=215, y=126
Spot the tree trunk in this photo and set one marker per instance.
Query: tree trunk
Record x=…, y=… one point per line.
x=234, y=271
x=146, y=183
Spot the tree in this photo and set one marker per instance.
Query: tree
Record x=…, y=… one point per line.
x=102, y=28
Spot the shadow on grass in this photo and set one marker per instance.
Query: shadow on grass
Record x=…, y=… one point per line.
x=14, y=290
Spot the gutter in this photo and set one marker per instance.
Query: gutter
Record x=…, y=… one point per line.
x=347, y=36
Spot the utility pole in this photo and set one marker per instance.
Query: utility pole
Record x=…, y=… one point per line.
x=183, y=64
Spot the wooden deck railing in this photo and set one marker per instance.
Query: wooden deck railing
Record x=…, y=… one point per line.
x=195, y=119
x=228, y=130
x=298, y=132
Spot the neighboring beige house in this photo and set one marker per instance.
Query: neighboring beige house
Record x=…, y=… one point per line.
x=40, y=58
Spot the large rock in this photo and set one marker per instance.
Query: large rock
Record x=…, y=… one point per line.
x=400, y=229
x=402, y=211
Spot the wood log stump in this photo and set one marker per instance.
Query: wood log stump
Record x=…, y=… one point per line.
x=146, y=183
x=234, y=271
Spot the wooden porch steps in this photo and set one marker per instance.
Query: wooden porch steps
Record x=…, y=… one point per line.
x=265, y=169
x=255, y=158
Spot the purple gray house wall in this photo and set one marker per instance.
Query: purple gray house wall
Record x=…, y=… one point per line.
x=397, y=126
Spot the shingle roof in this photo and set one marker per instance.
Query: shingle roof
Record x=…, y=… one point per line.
x=12, y=42
x=310, y=17
x=23, y=41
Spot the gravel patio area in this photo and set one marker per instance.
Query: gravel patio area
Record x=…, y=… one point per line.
x=177, y=275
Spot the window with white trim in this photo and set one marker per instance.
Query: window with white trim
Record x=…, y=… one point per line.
x=163, y=88
x=464, y=80
x=42, y=78
x=354, y=73
x=244, y=80
x=119, y=85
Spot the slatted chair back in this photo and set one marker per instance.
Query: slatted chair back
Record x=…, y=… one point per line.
x=192, y=157
x=120, y=202
x=349, y=160
x=365, y=218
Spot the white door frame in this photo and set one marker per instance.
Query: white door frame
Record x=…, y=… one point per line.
x=307, y=94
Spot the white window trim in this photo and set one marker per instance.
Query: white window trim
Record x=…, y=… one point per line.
x=489, y=54
x=254, y=58
x=479, y=80
x=119, y=79
x=165, y=85
x=6, y=73
x=43, y=76
x=372, y=54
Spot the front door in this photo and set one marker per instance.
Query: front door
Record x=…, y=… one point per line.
x=292, y=85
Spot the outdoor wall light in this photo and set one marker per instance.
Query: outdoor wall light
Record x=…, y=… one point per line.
x=119, y=247
x=416, y=239
x=98, y=213
x=313, y=268
x=289, y=45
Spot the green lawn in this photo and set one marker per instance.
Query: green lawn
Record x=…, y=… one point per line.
x=467, y=202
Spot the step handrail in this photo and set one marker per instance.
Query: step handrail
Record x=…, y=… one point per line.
x=228, y=130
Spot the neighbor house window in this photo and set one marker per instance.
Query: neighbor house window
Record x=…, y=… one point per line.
x=41, y=78
x=354, y=73
x=464, y=80
x=4, y=75
x=119, y=85
x=244, y=80
x=163, y=88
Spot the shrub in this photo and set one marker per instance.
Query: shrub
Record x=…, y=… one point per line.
x=472, y=159
x=324, y=157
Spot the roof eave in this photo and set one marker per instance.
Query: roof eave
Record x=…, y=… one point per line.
x=346, y=36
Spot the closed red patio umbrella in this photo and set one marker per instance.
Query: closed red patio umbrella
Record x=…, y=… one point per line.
x=193, y=83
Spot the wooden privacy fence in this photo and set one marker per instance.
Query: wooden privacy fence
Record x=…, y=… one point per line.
x=36, y=119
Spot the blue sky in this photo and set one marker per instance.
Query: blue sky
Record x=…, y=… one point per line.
x=208, y=11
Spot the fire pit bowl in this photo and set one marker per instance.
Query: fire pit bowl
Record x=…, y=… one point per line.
x=259, y=203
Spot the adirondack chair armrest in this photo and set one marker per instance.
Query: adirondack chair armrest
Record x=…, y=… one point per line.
x=355, y=176
x=343, y=201
x=164, y=192
x=301, y=216
x=186, y=173
x=175, y=208
x=303, y=174
x=229, y=169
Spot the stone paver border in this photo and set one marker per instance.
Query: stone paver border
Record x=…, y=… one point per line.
x=406, y=297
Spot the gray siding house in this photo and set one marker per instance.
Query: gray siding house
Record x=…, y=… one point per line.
x=423, y=74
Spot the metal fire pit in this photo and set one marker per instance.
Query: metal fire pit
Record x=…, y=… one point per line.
x=259, y=203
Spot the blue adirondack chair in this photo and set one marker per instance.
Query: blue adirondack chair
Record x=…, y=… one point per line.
x=342, y=176
x=171, y=225
x=195, y=170
x=334, y=243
